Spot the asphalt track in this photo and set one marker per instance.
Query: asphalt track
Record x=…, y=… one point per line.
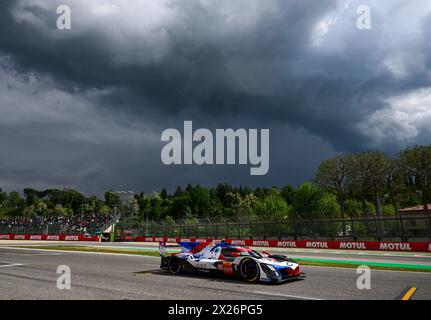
x=31, y=274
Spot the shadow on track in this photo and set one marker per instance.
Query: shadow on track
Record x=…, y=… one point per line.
x=212, y=277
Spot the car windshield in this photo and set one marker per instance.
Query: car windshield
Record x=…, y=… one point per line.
x=252, y=253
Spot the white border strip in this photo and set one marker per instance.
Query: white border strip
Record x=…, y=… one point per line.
x=10, y=264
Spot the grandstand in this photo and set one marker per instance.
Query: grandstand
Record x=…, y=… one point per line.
x=90, y=224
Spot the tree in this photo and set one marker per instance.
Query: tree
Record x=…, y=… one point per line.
x=352, y=208
x=3, y=198
x=271, y=207
x=370, y=172
x=144, y=204
x=112, y=199
x=40, y=208
x=395, y=183
x=306, y=199
x=246, y=204
x=200, y=200
x=288, y=193
x=181, y=206
x=333, y=175
x=164, y=194
x=169, y=221
x=31, y=196
x=105, y=210
x=14, y=200
x=29, y=211
x=328, y=206
x=416, y=166
x=155, y=201
x=60, y=211
x=134, y=207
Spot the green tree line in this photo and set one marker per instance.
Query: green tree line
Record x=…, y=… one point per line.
x=360, y=184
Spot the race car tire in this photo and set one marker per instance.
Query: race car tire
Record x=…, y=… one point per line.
x=174, y=265
x=249, y=270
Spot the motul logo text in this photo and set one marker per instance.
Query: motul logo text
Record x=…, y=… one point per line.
x=261, y=243
x=321, y=245
x=286, y=244
x=395, y=246
x=353, y=245
x=238, y=242
x=72, y=238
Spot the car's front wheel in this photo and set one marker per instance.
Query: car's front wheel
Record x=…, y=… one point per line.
x=174, y=265
x=249, y=270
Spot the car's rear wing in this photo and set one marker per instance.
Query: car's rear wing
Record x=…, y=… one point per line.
x=163, y=246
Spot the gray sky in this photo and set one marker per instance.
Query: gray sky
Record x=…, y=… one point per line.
x=86, y=107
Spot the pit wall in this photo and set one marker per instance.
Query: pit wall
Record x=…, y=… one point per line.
x=309, y=244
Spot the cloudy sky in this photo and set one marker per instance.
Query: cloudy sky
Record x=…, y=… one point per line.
x=85, y=107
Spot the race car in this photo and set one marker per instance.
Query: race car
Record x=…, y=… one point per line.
x=224, y=258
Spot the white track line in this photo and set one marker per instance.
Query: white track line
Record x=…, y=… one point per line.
x=82, y=252
x=10, y=264
x=285, y=295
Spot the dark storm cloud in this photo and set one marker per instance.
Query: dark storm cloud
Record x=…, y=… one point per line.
x=300, y=68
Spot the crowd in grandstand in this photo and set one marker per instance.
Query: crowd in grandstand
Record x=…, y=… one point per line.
x=75, y=224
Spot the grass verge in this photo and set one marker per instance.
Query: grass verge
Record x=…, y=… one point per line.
x=355, y=264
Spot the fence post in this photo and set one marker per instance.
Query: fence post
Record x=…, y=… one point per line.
x=332, y=222
x=377, y=229
x=355, y=238
x=429, y=225
x=403, y=235
x=226, y=227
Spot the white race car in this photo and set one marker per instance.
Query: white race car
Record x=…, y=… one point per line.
x=227, y=259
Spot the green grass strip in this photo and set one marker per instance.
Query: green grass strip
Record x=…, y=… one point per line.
x=371, y=264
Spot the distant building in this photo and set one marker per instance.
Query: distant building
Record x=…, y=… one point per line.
x=416, y=221
x=414, y=210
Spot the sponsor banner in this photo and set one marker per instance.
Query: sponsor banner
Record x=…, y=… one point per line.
x=50, y=237
x=308, y=244
x=239, y=242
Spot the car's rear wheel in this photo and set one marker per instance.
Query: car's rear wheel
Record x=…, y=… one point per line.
x=174, y=265
x=249, y=270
